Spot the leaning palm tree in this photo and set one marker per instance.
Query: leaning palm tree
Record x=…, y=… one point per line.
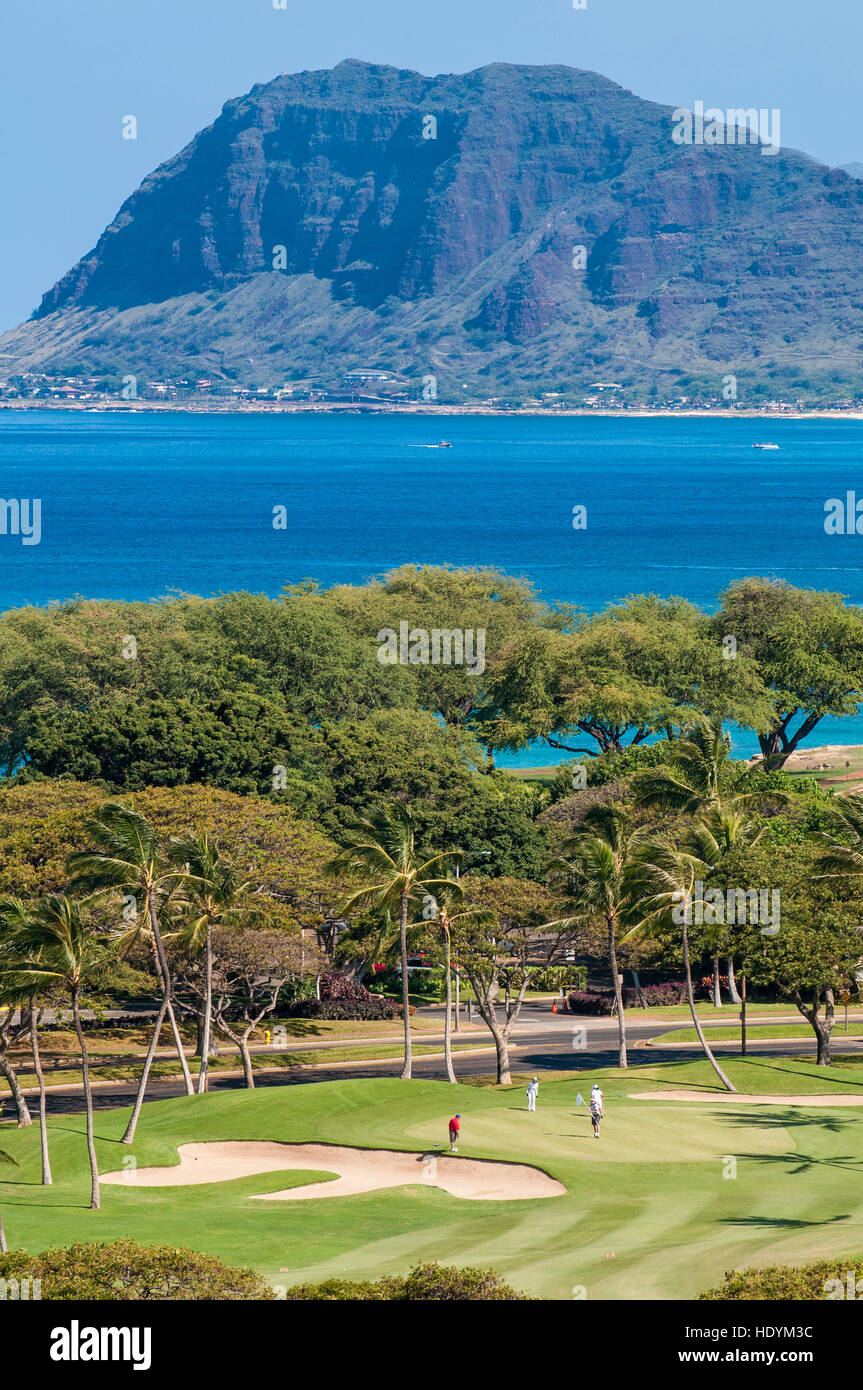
x=62, y=949
x=451, y=916
x=381, y=848
x=661, y=881
x=5, y=1158
x=596, y=862
x=215, y=894
x=127, y=858
x=16, y=920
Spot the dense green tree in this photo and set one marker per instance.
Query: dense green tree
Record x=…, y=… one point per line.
x=808, y=647
x=429, y=597
x=644, y=667
x=817, y=950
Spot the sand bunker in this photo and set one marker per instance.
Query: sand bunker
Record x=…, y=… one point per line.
x=729, y=1098
x=360, y=1170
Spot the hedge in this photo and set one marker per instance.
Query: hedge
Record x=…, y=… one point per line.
x=426, y=1283
x=375, y=1007
x=581, y=1001
x=790, y=1283
x=123, y=1270
x=657, y=996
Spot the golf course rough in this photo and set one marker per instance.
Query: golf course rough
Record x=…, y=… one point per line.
x=655, y=1209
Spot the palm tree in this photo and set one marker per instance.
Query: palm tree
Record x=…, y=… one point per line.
x=451, y=916
x=596, y=861
x=700, y=777
x=701, y=781
x=716, y=833
x=215, y=894
x=843, y=842
x=5, y=1158
x=62, y=948
x=127, y=858
x=382, y=848
x=16, y=917
x=660, y=882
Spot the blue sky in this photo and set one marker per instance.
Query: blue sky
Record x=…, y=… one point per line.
x=70, y=70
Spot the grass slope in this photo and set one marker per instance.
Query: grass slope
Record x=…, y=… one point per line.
x=649, y=1211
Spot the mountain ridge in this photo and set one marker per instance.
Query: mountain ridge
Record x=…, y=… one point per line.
x=456, y=255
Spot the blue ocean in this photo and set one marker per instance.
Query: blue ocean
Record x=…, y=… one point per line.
x=134, y=506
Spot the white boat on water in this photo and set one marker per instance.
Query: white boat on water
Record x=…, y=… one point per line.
x=765, y=446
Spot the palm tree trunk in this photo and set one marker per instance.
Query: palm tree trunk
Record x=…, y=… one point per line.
x=47, y=1180
x=88, y=1100
x=208, y=1009
x=447, y=1039
x=732, y=982
x=403, y=948
x=691, y=997
x=178, y=1044
x=145, y=1074
x=3, y=1246
x=22, y=1110
x=618, y=993
x=162, y=962
x=717, y=992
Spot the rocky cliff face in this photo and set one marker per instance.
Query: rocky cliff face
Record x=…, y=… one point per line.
x=329, y=219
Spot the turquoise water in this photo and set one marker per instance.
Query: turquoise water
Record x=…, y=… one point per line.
x=134, y=506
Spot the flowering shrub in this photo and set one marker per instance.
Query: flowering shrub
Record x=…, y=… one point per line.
x=707, y=984
x=658, y=996
x=334, y=985
x=374, y=1007
x=581, y=1001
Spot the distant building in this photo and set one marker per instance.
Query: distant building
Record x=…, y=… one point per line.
x=363, y=375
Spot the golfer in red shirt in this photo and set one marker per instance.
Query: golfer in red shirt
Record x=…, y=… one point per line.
x=454, y=1128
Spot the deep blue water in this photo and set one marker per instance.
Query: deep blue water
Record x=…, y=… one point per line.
x=134, y=506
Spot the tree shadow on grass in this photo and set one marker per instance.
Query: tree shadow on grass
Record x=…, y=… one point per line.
x=792, y=1223
x=847, y=1163
x=789, y=1119
x=841, y=1080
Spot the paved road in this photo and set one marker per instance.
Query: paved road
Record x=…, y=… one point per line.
x=544, y=1043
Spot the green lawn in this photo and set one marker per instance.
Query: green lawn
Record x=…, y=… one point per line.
x=648, y=1211
x=231, y=1062
x=708, y=1013
x=770, y=1030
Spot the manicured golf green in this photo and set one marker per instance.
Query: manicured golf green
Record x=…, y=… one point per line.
x=671, y=1196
